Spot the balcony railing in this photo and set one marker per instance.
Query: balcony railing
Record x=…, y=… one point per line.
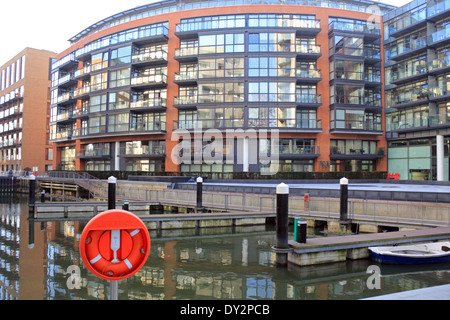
x=309, y=49
x=308, y=74
x=439, y=63
x=423, y=122
x=439, y=35
x=143, y=151
x=185, y=100
x=149, y=56
x=183, y=52
x=358, y=125
x=149, y=80
x=298, y=150
x=438, y=8
x=356, y=99
x=149, y=103
x=357, y=151
x=92, y=153
x=191, y=75
x=308, y=98
x=355, y=27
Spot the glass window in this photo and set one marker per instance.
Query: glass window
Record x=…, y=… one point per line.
x=121, y=56
x=119, y=78
x=97, y=103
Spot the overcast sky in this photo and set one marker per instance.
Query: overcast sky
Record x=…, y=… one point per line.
x=48, y=24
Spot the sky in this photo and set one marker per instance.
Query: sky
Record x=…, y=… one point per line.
x=48, y=24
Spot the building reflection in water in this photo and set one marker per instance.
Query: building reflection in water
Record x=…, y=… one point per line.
x=220, y=263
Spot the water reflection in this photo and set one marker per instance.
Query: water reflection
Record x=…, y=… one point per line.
x=41, y=260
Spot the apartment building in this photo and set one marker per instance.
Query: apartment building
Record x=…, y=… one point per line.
x=307, y=75
x=417, y=66
x=24, y=109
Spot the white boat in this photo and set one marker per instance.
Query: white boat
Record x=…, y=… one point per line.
x=419, y=253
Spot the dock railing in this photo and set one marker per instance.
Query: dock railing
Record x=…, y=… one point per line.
x=420, y=213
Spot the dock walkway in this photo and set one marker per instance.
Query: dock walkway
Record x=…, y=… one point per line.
x=353, y=247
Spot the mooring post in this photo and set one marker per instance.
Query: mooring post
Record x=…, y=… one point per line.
x=282, y=222
x=112, y=181
x=344, y=199
x=32, y=190
x=126, y=205
x=199, y=192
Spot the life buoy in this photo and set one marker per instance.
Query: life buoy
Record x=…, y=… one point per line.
x=93, y=253
x=133, y=259
x=109, y=268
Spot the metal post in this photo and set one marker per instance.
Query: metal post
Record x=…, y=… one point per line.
x=112, y=181
x=114, y=287
x=282, y=221
x=344, y=199
x=43, y=196
x=32, y=190
x=199, y=192
x=282, y=216
x=126, y=205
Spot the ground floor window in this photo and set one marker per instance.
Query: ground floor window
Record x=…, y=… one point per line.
x=353, y=165
x=67, y=158
x=289, y=166
x=146, y=165
x=214, y=168
x=416, y=159
x=98, y=165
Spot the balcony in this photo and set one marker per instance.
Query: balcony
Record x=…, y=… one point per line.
x=66, y=98
x=355, y=127
x=283, y=125
x=149, y=81
x=308, y=76
x=410, y=98
x=186, y=78
x=149, y=58
x=82, y=73
x=65, y=117
x=308, y=100
x=370, y=31
x=67, y=81
x=186, y=54
x=439, y=94
x=337, y=153
x=400, y=52
x=438, y=11
x=96, y=153
x=156, y=127
x=143, y=151
x=439, y=38
x=82, y=92
x=293, y=153
x=66, y=63
x=308, y=52
x=403, y=77
x=61, y=136
x=352, y=100
x=184, y=102
x=432, y=121
x=157, y=104
x=439, y=66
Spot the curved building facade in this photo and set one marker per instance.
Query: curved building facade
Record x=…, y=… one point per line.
x=288, y=85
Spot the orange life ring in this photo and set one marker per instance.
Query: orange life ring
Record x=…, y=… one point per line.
x=92, y=251
x=108, y=268
x=133, y=259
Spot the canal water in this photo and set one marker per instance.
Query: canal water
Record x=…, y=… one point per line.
x=40, y=260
